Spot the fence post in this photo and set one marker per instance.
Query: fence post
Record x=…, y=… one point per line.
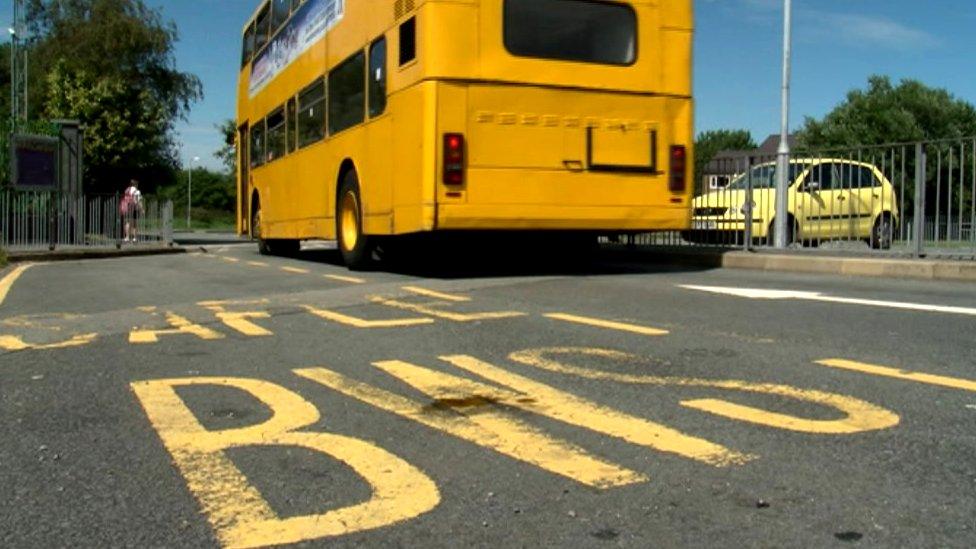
x=168, y=222
x=920, y=178
x=748, y=205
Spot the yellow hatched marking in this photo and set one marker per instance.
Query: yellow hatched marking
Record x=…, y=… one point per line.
x=456, y=317
x=240, y=321
x=366, y=324
x=349, y=279
x=435, y=294
x=479, y=422
x=237, y=511
x=8, y=281
x=16, y=343
x=180, y=326
x=858, y=416
x=884, y=371
x=295, y=270
x=608, y=324
x=258, y=264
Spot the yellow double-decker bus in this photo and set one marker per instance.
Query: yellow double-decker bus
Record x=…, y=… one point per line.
x=365, y=119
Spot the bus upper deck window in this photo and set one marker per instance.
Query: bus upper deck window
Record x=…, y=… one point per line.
x=408, y=41
x=261, y=27
x=280, y=11
x=589, y=31
x=248, y=49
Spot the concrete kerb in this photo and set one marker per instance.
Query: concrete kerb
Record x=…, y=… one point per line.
x=79, y=254
x=915, y=269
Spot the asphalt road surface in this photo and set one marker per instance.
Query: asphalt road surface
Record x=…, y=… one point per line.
x=222, y=398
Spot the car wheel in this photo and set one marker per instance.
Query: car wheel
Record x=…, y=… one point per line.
x=883, y=233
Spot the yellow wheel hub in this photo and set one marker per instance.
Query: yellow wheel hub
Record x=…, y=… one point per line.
x=349, y=221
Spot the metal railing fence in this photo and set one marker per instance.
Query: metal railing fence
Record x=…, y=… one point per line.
x=911, y=199
x=44, y=220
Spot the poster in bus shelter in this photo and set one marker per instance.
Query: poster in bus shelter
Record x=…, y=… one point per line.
x=308, y=25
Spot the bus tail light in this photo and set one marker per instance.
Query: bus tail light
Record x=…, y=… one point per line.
x=679, y=169
x=453, y=159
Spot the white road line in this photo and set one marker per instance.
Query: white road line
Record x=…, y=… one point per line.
x=752, y=293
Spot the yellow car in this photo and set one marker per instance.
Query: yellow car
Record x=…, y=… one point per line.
x=829, y=199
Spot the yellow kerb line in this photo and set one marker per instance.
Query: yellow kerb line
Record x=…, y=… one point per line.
x=8, y=281
x=295, y=270
x=435, y=294
x=349, y=279
x=608, y=324
x=918, y=377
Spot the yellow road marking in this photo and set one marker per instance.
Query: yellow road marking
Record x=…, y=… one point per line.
x=16, y=343
x=366, y=324
x=257, y=264
x=918, y=377
x=8, y=281
x=237, y=511
x=349, y=279
x=610, y=325
x=484, y=425
x=230, y=259
x=239, y=320
x=859, y=415
x=435, y=294
x=179, y=325
x=456, y=317
x=295, y=270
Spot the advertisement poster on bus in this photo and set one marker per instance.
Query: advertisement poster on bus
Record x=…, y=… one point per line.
x=307, y=26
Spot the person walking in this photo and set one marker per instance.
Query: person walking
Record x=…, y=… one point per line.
x=130, y=208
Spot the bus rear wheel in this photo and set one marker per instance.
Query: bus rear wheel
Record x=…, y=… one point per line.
x=356, y=248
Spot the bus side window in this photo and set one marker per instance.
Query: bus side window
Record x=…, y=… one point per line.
x=275, y=140
x=248, y=49
x=311, y=114
x=347, y=94
x=377, y=78
x=280, y=11
x=408, y=41
x=261, y=32
x=257, y=144
x=291, y=119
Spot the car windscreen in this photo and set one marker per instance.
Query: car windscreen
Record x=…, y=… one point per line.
x=764, y=177
x=572, y=30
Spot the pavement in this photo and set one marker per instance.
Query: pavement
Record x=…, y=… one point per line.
x=222, y=398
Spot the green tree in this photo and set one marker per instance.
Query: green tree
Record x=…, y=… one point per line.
x=110, y=64
x=709, y=144
x=885, y=113
x=228, y=153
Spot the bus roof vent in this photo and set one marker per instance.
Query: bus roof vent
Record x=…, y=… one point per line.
x=402, y=7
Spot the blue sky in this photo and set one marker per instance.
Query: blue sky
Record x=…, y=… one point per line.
x=838, y=44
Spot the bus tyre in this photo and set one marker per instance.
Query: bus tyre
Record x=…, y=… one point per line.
x=356, y=248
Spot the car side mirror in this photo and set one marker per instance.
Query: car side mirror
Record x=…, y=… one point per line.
x=813, y=186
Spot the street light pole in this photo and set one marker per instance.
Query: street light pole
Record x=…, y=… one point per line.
x=783, y=154
x=189, y=193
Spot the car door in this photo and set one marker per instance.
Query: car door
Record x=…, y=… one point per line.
x=816, y=203
x=866, y=199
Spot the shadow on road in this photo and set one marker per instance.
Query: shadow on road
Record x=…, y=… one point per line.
x=495, y=258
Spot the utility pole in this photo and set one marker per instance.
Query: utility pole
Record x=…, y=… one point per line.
x=783, y=154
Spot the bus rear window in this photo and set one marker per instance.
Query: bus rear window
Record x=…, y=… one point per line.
x=572, y=30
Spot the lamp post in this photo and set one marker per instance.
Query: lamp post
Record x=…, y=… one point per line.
x=783, y=154
x=189, y=192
